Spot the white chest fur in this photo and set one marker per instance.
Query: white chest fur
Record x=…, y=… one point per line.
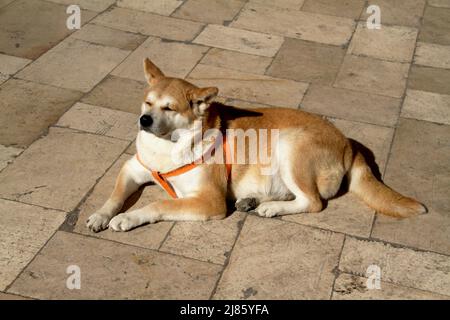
x=163, y=155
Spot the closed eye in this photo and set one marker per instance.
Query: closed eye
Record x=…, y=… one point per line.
x=148, y=103
x=166, y=108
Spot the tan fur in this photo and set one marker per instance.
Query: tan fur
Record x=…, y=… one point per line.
x=314, y=157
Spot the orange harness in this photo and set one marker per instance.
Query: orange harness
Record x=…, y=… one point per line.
x=162, y=177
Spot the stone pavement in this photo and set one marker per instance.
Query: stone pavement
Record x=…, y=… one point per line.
x=69, y=102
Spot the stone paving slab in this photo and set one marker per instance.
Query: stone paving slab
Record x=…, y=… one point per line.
x=439, y=3
x=249, y=87
x=109, y=37
x=163, y=53
x=436, y=26
x=25, y=229
x=97, y=5
x=398, y=12
x=373, y=76
x=3, y=78
x=239, y=40
x=165, y=7
x=288, y=4
x=394, y=43
x=149, y=24
x=113, y=271
x=351, y=105
x=341, y=8
x=432, y=55
x=406, y=267
x=209, y=11
x=29, y=108
x=307, y=61
x=74, y=64
x=117, y=93
x=150, y=236
x=236, y=61
x=418, y=167
x=7, y=155
x=209, y=241
x=58, y=170
x=351, y=287
x=30, y=28
x=271, y=254
x=101, y=121
x=9, y=65
x=295, y=24
x=429, y=79
x=427, y=106
x=7, y=296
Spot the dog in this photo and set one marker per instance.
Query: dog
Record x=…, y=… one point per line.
x=312, y=159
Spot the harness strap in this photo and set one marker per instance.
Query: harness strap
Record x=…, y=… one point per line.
x=162, y=177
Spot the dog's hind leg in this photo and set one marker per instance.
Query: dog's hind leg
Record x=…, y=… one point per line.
x=131, y=176
x=301, y=183
x=182, y=209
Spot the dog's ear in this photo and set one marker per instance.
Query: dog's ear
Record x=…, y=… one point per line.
x=152, y=72
x=201, y=98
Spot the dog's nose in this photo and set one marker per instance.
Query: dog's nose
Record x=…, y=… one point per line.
x=146, y=120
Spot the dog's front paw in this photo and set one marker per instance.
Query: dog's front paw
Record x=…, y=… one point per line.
x=267, y=209
x=98, y=222
x=123, y=222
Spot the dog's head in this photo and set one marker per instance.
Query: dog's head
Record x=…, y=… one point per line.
x=171, y=103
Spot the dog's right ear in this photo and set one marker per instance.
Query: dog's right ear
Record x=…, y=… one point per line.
x=152, y=72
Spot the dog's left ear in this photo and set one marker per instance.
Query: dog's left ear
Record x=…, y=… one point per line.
x=201, y=98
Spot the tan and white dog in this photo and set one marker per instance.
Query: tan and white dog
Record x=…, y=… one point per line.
x=313, y=158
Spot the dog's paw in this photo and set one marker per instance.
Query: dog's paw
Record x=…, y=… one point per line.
x=246, y=204
x=267, y=209
x=97, y=222
x=123, y=222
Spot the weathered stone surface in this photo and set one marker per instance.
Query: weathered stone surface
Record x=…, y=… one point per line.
x=209, y=11
x=118, y=93
x=257, y=267
x=101, y=121
x=74, y=64
x=295, y=24
x=429, y=79
x=7, y=155
x=240, y=40
x=427, y=106
x=341, y=8
x=405, y=267
x=113, y=271
x=236, y=61
x=432, y=55
x=29, y=108
x=25, y=229
x=393, y=43
x=209, y=241
x=59, y=169
x=307, y=61
x=418, y=167
x=30, y=28
x=165, y=7
x=249, y=87
x=373, y=76
x=109, y=37
x=351, y=105
x=175, y=59
x=351, y=287
x=149, y=24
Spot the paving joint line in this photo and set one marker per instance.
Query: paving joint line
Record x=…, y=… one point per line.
x=227, y=260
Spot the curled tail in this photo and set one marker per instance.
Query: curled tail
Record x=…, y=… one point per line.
x=377, y=195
